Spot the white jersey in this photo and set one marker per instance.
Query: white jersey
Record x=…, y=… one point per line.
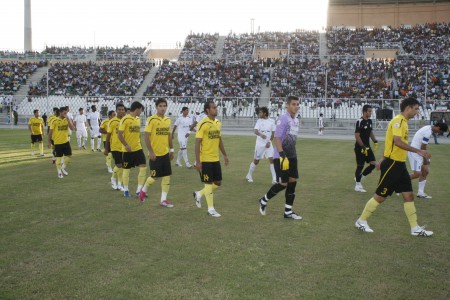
x=94, y=117
x=320, y=122
x=80, y=122
x=422, y=136
x=183, y=124
x=266, y=127
x=200, y=117
x=69, y=115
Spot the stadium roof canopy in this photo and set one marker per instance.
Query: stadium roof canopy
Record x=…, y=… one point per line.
x=358, y=2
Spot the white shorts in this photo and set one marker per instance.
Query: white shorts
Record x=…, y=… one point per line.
x=262, y=152
x=82, y=133
x=182, y=141
x=415, y=161
x=95, y=132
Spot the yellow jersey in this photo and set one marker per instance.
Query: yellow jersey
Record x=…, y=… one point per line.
x=60, y=129
x=159, y=129
x=210, y=132
x=131, y=128
x=113, y=127
x=36, y=125
x=397, y=127
x=50, y=120
x=104, y=125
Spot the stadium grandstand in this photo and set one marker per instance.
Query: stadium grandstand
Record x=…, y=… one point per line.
x=357, y=60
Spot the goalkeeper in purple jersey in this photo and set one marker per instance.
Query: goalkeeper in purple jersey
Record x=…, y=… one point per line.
x=285, y=159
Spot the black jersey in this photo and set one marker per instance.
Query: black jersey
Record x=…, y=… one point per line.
x=364, y=127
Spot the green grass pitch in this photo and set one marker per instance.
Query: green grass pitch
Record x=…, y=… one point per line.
x=77, y=238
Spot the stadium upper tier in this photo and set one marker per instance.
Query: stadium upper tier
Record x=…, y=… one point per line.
x=89, y=79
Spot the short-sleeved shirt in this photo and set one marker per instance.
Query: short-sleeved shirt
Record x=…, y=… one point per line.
x=36, y=125
x=397, y=127
x=131, y=128
x=113, y=127
x=210, y=132
x=80, y=121
x=159, y=129
x=183, y=124
x=287, y=131
x=364, y=128
x=60, y=134
x=104, y=126
x=93, y=117
x=50, y=120
x=266, y=127
x=422, y=136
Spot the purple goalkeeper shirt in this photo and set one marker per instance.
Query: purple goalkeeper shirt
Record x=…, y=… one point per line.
x=287, y=131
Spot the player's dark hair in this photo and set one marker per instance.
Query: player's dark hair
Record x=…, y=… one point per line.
x=110, y=113
x=408, y=102
x=61, y=109
x=366, y=107
x=135, y=105
x=442, y=126
x=207, y=106
x=264, y=110
x=67, y=107
x=160, y=100
x=292, y=98
x=93, y=107
x=35, y=111
x=80, y=109
x=120, y=105
x=55, y=109
x=321, y=114
x=184, y=108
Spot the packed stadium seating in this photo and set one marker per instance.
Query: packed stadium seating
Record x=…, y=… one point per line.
x=14, y=74
x=89, y=79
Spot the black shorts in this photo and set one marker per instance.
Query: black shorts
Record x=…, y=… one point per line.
x=283, y=176
x=160, y=167
x=211, y=172
x=117, y=155
x=133, y=159
x=36, y=138
x=63, y=150
x=394, y=177
x=361, y=158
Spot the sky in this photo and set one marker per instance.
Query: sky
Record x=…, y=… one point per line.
x=138, y=22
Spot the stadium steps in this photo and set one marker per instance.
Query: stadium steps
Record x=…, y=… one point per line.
x=265, y=92
x=323, y=48
x=219, y=47
x=147, y=81
x=36, y=77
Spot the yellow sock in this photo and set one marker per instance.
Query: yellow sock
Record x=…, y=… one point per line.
x=371, y=206
x=209, y=195
x=120, y=175
x=32, y=147
x=66, y=160
x=41, y=148
x=410, y=211
x=165, y=184
x=126, y=178
x=115, y=172
x=58, y=163
x=142, y=175
x=109, y=159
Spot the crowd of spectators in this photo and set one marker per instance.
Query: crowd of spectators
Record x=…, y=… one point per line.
x=412, y=76
x=199, y=45
x=208, y=79
x=89, y=79
x=299, y=43
x=423, y=39
x=14, y=74
x=358, y=78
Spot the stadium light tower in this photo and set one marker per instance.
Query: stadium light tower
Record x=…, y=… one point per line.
x=27, y=26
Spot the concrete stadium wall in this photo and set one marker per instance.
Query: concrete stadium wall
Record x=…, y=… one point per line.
x=394, y=15
x=163, y=54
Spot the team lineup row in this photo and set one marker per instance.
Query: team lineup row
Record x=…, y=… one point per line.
x=124, y=143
